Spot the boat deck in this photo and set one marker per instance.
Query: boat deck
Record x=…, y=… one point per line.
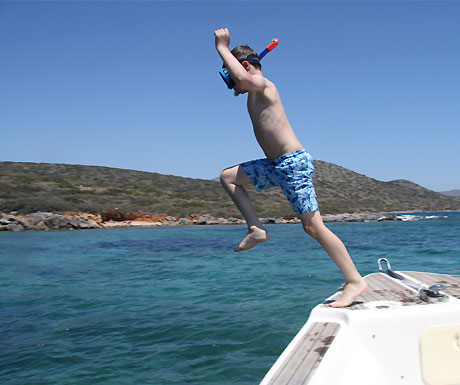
x=384, y=288
x=299, y=362
x=452, y=282
x=307, y=355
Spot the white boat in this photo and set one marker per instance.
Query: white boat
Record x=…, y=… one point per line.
x=405, y=329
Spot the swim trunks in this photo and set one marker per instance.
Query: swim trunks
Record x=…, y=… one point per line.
x=293, y=172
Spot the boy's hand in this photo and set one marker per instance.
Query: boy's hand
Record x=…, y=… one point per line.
x=222, y=37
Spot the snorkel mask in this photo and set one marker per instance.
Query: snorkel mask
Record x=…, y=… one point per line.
x=251, y=59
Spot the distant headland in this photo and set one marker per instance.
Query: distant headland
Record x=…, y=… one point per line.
x=93, y=196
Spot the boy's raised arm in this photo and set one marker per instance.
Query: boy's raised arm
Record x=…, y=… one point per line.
x=237, y=70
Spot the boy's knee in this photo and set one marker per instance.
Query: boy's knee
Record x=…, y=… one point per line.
x=226, y=177
x=312, y=230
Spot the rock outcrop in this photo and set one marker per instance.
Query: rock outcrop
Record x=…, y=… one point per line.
x=42, y=221
x=49, y=221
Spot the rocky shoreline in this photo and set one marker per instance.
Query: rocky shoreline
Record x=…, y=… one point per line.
x=42, y=221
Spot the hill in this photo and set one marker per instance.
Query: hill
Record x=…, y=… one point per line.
x=452, y=193
x=30, y=187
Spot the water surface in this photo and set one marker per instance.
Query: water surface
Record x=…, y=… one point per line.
x=176, y=305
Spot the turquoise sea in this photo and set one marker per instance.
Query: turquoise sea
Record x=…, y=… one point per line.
x=175, y=305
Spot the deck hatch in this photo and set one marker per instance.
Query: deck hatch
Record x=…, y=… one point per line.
x=440, y=354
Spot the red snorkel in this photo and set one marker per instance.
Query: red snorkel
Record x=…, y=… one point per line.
x=226, y=75
x=269, y=48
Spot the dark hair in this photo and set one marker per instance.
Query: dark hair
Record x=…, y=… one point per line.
x=244, y=52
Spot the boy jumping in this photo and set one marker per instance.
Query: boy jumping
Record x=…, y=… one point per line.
x=287, y=164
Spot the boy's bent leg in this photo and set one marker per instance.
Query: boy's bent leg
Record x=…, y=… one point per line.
x=355, y=284
x=233, y=179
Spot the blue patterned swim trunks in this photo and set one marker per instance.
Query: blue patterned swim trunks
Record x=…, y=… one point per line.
x=293, y=172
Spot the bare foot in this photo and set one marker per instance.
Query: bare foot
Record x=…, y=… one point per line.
x=350, y=293
x=255, y=236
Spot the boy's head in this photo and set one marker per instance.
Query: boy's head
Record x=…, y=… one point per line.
x=242, y=53
x=246, y=53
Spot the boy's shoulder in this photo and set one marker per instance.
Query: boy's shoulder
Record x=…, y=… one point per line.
x=267, y=82
x=267, y=96
x=270, y=87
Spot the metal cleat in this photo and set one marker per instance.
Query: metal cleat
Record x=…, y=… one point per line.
x=434, y=294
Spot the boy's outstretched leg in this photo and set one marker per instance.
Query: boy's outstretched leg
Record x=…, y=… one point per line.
x=355, y=284
x=232, y=180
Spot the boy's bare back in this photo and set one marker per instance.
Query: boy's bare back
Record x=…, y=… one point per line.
x=271, y=125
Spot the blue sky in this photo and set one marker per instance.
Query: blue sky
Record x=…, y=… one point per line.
x=373, y=86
